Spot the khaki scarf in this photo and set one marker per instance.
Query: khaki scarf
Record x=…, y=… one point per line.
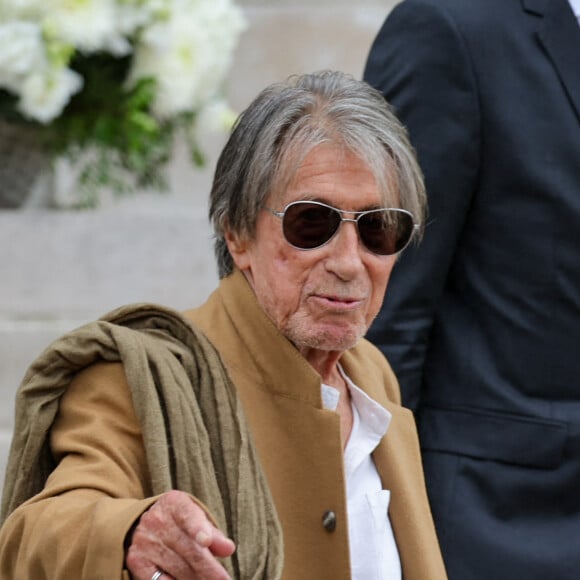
x=195, y=434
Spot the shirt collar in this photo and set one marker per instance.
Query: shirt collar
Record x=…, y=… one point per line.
x=374, y=418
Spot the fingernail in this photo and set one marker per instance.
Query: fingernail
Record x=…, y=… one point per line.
x=202, y=538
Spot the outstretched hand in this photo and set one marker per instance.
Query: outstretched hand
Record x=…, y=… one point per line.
x=176, y=537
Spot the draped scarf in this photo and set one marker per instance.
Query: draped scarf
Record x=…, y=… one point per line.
x=195, y=434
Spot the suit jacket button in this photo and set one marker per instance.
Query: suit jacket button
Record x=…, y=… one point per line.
x=329, y=521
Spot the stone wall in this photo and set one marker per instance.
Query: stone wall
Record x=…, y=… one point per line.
x=59, y=269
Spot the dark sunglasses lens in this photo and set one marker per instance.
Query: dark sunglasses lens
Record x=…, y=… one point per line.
x=385, y=232
x=309, y=225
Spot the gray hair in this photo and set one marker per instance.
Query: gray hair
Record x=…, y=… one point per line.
x=283, y=124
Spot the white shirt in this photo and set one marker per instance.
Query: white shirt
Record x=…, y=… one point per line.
x=576, y=8
x=373, y=551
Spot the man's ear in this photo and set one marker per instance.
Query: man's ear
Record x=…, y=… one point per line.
x=238, y=247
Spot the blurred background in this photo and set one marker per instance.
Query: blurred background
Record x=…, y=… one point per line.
x=61, y=268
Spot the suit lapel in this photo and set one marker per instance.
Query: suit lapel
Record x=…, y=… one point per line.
x=559, y=34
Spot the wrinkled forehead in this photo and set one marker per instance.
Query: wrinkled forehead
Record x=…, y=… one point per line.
x=380, y=165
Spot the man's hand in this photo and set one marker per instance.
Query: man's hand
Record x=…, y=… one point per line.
x=176, y=537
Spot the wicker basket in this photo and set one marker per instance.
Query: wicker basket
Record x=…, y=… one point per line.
x=23, y=163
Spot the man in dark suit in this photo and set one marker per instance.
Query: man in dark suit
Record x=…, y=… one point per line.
x=482, y=320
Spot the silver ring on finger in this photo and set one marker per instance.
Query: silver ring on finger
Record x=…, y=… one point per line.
x=157, y=575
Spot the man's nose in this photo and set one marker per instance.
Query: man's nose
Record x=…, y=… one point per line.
x=345, y=258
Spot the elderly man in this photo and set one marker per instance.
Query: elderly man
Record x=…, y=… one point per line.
x=288, y=455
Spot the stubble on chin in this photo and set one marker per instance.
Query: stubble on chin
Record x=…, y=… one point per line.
x=306, y=334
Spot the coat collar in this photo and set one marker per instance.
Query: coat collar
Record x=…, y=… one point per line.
x=558, y=32
x=269, y=358
x=248, y=337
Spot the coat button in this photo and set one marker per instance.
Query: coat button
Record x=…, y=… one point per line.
x=329, y=521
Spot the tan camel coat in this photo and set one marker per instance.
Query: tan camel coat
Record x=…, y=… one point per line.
x=98, y=491
x=299, y=441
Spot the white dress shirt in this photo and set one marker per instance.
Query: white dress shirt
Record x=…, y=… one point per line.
x=576, y=8
x=373, y=551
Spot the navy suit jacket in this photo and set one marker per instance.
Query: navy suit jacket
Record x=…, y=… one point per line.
x=481, y=322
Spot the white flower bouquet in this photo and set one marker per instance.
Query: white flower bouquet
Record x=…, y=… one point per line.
x=111, y=82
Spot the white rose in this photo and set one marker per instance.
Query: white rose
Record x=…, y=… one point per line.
x=223, y=23
x=171, y=53
x=44, y=95
x=185, y=55
x=88, y=25
x=135, y=14
x=21, y=52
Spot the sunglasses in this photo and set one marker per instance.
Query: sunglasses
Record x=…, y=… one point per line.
x=311, y=224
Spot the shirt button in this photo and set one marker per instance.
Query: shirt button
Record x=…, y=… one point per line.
x=329, y=521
